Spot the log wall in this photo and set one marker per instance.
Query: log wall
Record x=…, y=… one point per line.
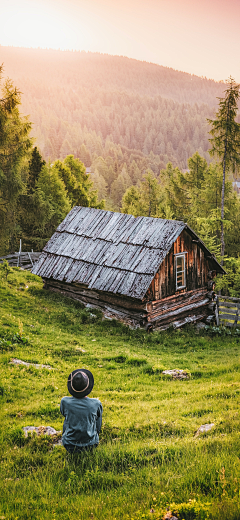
x=197, y=268
x=163, y=303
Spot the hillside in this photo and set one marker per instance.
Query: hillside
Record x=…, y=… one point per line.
x=149, y=456
x=83, y=69
x=76, y=98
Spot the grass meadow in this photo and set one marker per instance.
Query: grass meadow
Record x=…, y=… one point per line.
x=149, y=457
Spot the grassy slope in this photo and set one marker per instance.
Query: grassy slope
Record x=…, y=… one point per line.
x=148, y=454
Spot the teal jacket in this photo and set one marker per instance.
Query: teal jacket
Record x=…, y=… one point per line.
x=83, y=421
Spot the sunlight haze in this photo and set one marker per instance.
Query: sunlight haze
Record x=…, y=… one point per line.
x=198, y=36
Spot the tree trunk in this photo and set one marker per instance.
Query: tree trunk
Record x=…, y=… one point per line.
x=222, y=207
x=223, y=192
x=149, y=210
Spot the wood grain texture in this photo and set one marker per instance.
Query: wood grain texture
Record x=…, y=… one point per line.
x=228, y=316
x=197, y=268
x=116, y=261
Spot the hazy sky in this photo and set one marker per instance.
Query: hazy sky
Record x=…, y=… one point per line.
x=197, y=36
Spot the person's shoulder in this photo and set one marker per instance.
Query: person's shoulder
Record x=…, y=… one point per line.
x=66, y=399
x=94, y=401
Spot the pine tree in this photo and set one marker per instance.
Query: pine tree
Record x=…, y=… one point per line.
x=78, y=183
x=100, y=184
x=131, y=202
x=175, y=196
x=143, y=200
x=35, y=165
x=15, y=144
x=194, y=181
x=226, y=140
x=150, y=191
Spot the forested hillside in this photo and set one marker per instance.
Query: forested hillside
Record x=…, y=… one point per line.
x=140, y=129
x=77, y=98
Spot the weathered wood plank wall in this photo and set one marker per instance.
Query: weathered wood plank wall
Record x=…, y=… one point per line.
x=163, y=304
x=229, y=311
x=197, y=268
x=168, y=302
x=25, y=260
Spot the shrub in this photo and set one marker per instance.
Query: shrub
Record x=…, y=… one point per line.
x=230, y=283
x=190, y=510
x=117, y=359
x=137, y=362
x=5, y=345
x=5, y=269
x=16, y=436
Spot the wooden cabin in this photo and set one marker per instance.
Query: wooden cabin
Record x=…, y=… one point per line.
x=148, y=272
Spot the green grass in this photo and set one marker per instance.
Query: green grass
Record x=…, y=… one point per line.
x=149, y=456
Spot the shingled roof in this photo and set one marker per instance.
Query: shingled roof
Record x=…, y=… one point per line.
x=108, y=251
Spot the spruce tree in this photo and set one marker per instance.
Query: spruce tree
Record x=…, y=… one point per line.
x=15, y=145
x=225, y=140
x=35, y=165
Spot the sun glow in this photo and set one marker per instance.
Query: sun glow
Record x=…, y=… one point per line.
x=199, y=37
x=37, y=23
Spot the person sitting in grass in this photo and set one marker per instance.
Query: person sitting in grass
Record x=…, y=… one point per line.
x=83, y=415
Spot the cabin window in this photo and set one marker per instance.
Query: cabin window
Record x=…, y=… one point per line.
x=180, y=271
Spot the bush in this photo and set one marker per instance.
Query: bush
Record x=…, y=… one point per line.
x=230, y=283
x=5, y=269
x=89, y=315
x=16, y=436
x=190, y=510
x=8, y=340
x=137, y=362
x=117, y=359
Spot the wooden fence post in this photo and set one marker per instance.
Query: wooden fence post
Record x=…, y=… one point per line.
x=237, y=314
x=217, y=311
x=19, y=254
x=30, y=259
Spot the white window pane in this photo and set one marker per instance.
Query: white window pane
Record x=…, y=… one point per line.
x=180, y=262
x=180, y=280
x=180, y=271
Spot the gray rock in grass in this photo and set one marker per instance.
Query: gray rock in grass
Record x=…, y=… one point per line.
x=58, y=443
x=200, y=325
x=43, y=430
x=40, y=430
x=15, y=361
x=177, y=373
x=204, y=428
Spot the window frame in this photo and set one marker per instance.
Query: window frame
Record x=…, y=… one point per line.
x=183, y=255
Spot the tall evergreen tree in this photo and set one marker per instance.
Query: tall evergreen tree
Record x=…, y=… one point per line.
x=15, y=144
x=35, y=165
x=194, y=182
x=143, y=200
x=226, y=140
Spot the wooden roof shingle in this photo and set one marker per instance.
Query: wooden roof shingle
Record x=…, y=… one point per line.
x=108, y=251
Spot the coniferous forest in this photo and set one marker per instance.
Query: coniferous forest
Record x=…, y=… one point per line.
x=141, y=130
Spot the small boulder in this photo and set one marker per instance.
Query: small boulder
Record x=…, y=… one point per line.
x=40, y=430
x=177, y=373
x=204, y=428
x=200, y=325
x=210, y=319
x=15, y=361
